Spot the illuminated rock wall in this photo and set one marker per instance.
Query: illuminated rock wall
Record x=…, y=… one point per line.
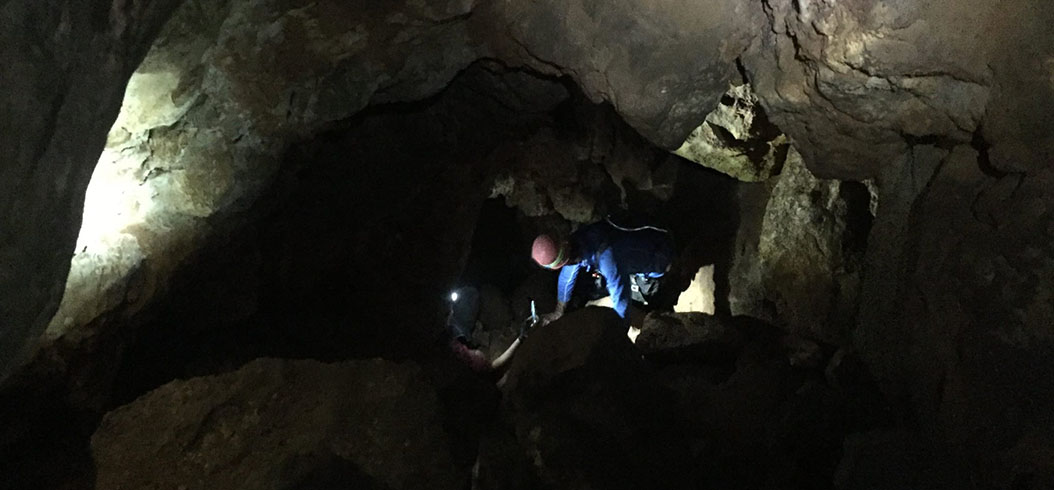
x=65, y=67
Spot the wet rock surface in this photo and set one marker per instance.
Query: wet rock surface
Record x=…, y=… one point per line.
x=281, y=424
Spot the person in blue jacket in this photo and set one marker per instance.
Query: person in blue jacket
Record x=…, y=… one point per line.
x=625, y=257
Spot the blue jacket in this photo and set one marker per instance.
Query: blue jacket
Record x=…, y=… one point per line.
x=616, y=254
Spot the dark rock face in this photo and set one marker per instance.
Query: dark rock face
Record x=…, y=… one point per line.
x=978, y=311
x=584, y=412
x=588, y=166
x=353, y=249
x=899, y=459
x=689, y=336
x=901, y=92
x=714, y=402
x=281, y=424
x=662, y=66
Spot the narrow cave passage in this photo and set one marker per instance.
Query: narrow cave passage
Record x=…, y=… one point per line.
x=860, y=191
x=367, y=227
x=352, y=248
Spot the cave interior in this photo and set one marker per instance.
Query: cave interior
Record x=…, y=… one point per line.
x=861, y=295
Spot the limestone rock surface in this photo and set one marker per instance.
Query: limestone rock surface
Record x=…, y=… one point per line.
x=799, y=260
x=281, y=424
x=65, y=67
x=812, y=242
x=737, y=139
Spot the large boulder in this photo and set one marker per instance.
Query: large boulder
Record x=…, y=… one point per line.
x=583, y=411
x=799, y=254
x=282, y=424
x=690, y=336
x=810, y=250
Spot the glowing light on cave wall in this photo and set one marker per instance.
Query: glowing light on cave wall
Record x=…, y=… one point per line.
x=699, y=297
x=107, y=252
x=125, y=217
x=116, y=199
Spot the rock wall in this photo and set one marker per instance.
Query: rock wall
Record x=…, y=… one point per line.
x=799, y=256
x=945, y=105
x=206, y=119
x=226, y=88
x=978, y=314
x=350, y=252
x=66, y=64
x=586, y=166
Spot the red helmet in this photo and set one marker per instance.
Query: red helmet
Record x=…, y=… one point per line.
x=548, y=253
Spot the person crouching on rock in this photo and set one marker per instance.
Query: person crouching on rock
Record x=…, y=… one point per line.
x=631, y=260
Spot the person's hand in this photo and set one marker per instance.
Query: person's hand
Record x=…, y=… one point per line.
x=526, y=326
x=550, y=317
